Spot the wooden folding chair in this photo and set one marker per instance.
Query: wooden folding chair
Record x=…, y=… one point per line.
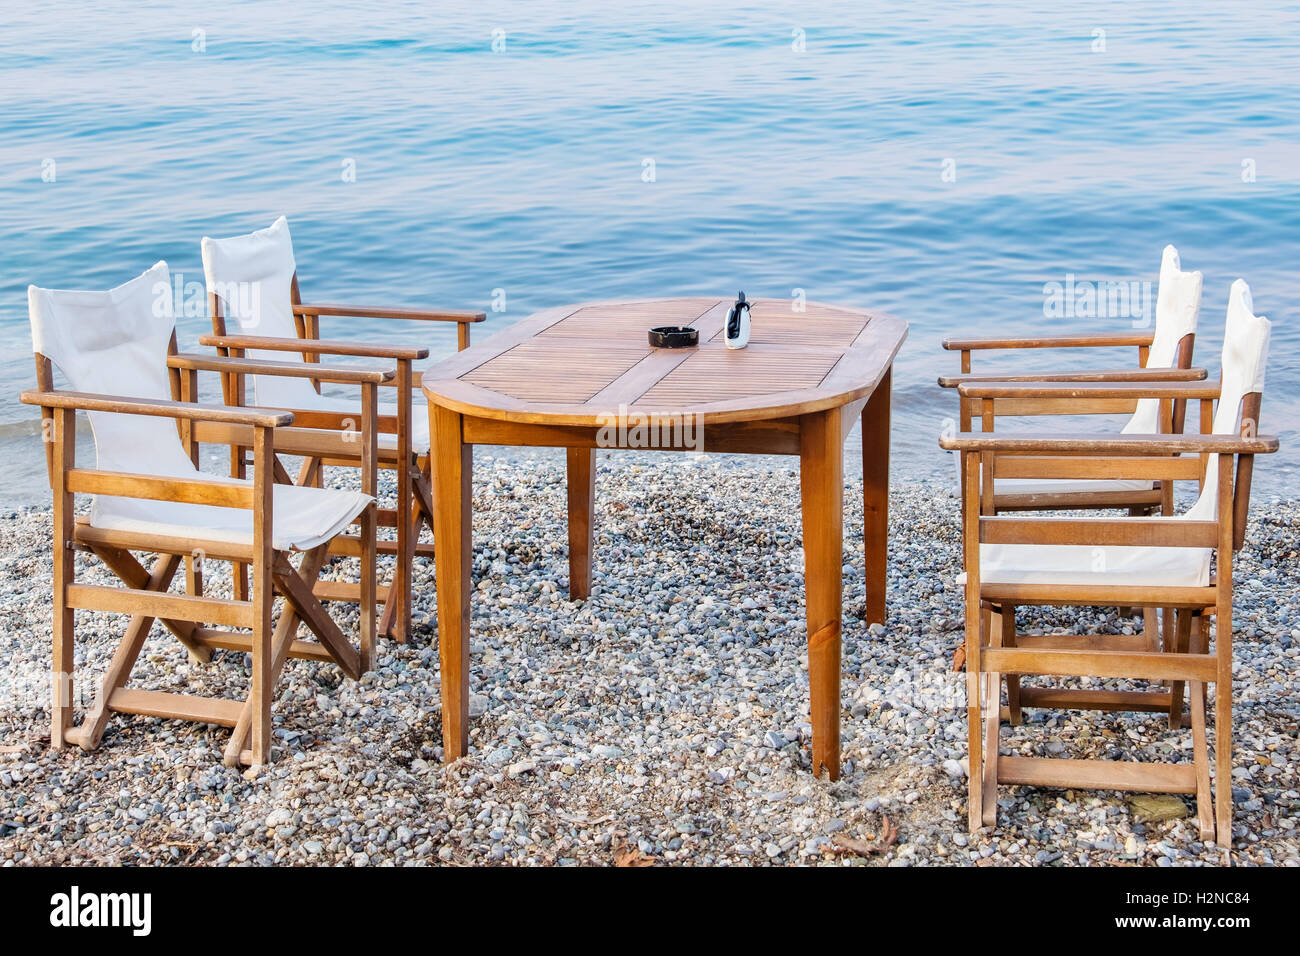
x=1148, y=562
x=1164, y=354
x=113, y=349
x=253, y=280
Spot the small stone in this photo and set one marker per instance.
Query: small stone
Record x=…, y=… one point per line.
x=278, y=818
x=1157, y=807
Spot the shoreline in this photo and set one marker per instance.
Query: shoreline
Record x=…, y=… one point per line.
x=665, y=716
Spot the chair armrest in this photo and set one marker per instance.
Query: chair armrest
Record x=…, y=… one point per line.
x=199, y=491
x=1077, y=390
x=188, y=411
x=1093, y=375
x=350, y=375
x=370, y=312
x=1111, y=444
x=1094, y=340
x=312, y=346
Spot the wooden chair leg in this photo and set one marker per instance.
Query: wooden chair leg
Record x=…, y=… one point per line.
x=63, y=459
x=1014, y=715
x=262, y=684
x=1200, y=753
x=367, y=525
x=366, y=604
x=975, y=744
x=238, y=570
x=194, y=588
x=1151, y=628
x=399, y=598
x=193, y=575
x=991, y=716
x=399, y=592
x=1222, y=750
x=390, y=607
x=1181, y=641
x=975, y=726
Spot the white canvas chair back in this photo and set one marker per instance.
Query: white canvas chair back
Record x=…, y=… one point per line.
x=1178, y=306
x=115, y=343
x=1245, y=355
x=251, y=277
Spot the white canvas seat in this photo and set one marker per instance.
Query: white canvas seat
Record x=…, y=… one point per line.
x=1178, y=307
x=1116, y=566
x=1060, y=486
x=303, y=518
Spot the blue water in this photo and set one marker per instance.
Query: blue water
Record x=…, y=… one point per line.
x=522, y=170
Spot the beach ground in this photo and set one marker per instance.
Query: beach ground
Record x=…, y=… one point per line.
x=663, y=721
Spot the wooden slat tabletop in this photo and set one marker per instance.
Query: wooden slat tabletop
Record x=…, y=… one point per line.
x=575, y=364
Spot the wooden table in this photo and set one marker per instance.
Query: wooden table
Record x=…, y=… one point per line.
x=564, y=378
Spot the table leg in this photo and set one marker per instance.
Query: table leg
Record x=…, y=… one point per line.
x=582, y=496
x=452, y=471
x=821, y=482
x=875, y=497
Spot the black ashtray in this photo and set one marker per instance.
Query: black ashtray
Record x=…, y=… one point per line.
x=674, y=337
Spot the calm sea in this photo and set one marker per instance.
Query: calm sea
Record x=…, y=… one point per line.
x=939, y=161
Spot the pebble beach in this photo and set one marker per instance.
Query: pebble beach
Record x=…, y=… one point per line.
x=662, y=721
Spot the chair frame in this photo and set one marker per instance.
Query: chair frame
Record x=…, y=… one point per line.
x=242, y=624
x=1159, y=498
x=997, y=649
x=414, y=494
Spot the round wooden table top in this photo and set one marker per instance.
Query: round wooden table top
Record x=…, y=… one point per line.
x=578, y=364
